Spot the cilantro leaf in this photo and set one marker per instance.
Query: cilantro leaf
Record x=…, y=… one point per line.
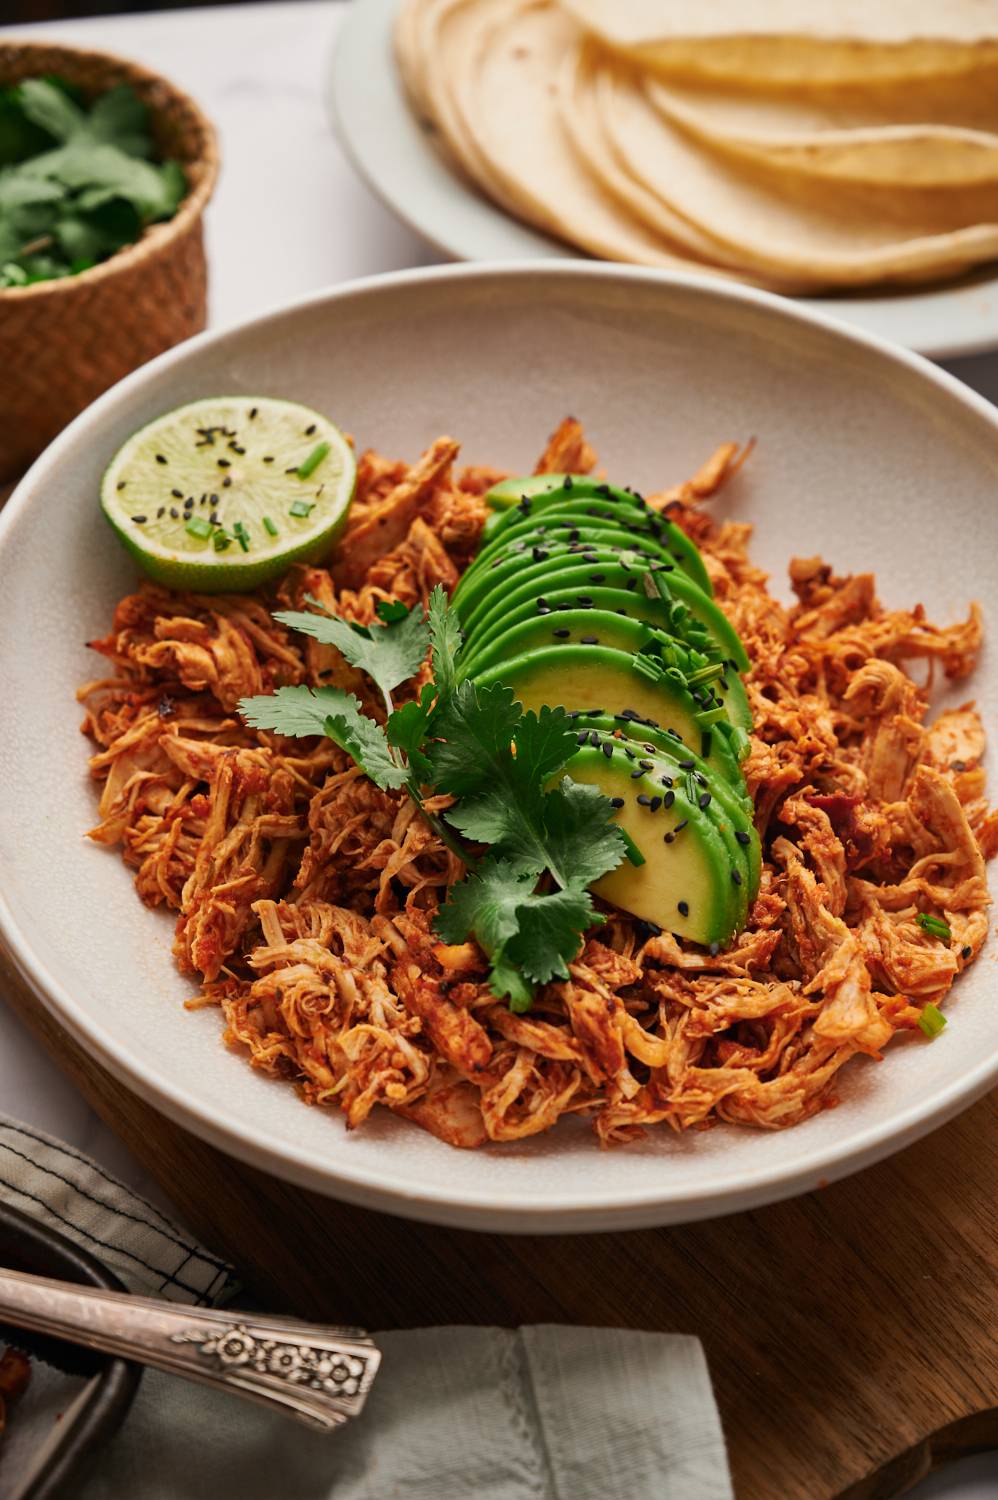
x=526, y=934
x=299, y=711
x=388, y=653
x=445, y=641
x=120, y=118
x=476, y=729
x=579, y=833
x=391, y=610
x=407, y=729
x=365, y=740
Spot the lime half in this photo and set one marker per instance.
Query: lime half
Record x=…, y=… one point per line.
x=226, y=493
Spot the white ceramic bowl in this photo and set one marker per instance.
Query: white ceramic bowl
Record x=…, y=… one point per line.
x=866, y=454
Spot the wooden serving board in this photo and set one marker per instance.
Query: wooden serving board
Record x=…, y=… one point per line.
x=849, y=1333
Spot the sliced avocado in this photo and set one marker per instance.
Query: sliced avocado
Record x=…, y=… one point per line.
x=627, y=627
x=732, y=806
x=594, y=679
x=481, y=586
x=509, y=492
x=567, y=573
x=576, y=518
x=684, y=883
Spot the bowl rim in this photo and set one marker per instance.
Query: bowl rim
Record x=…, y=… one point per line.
x=156, y=237
x=388, y=1189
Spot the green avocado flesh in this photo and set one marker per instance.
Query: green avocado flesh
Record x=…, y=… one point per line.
x=593, y=678
x=685, y=884
x=584, y=597
x=731, y=805
x=578, y=520
x=589, y=625
x=564, y=575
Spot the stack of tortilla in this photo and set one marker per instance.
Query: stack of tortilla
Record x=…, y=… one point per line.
x=796, y=146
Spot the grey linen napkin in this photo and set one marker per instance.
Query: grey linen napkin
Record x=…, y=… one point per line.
x=535, y=1413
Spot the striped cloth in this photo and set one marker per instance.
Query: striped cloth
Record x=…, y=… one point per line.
x=539, y=1413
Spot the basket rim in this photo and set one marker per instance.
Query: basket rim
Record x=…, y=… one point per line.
x=157, y=236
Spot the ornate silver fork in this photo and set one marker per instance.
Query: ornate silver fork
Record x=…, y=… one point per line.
x=320, y=1375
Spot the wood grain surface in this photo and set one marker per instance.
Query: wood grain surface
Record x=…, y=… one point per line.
x=849, y=1333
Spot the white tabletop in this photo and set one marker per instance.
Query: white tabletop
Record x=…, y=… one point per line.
x=289, y=215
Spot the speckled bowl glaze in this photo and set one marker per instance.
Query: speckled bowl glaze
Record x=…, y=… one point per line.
x=865, y=454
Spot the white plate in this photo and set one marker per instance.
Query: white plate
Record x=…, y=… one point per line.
x=392, y=152
x=866, y=454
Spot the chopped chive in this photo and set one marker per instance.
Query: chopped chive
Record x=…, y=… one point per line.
x=631, y=849
x=933, y=926
x=931, y=1021
x=301, y=508
x=312, y=462
x=269, y=526
x=221, y=540
x=198, y=526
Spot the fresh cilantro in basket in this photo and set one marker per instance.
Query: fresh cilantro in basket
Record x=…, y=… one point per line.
x=525, y=898
x=77, y=182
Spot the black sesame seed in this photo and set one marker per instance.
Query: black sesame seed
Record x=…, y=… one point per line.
x=269, y=458
x=213, y=518
x=575, y=535
x=543, y=609
x=669, y=837
x=632, y=583
x=666, y=781
x=680, y=826
x=644, y=799
x=567, y=485
x=607, y=748
x=703, y=801
x=616, y=801
x=177, y=494
x=581, y=737
x=686, y=765
x=225, y=463
x=597, y=578
x=670, y=797
x=161, y=513
x=189, y=503
x=683, y=908
x=542, y=603
x=655, y=803
x=226, y=482
x=539, y=554
x=174, y=512
x=140, y=520
x=636, y=773
x=160, y=458
x=715, y=949
x=309, y=430
x=646, y=765
x=121, y=484
x=584, y=599
x=743, y=837
x=605, y=491
x=966, y=952
x=562, y=634
x=594, y=738
x=589, y=640
x=252, y=412
x=628, y=752
x=736, y=876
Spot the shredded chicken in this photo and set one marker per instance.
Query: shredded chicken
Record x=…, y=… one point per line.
x=305, y=896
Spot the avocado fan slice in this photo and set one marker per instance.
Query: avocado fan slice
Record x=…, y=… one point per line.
x=590, y=626
x=684, y=880
x=589, y=678
x=579, y=516
x=522, y=586
x=730, y=804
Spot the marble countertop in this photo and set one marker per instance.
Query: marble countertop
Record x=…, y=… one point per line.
x=289, y=215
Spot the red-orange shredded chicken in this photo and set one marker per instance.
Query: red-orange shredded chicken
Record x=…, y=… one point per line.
x=305, y=895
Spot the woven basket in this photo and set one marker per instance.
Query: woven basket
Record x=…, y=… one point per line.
x=64, y=342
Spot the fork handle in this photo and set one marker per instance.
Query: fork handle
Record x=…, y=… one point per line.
x=320, y=1375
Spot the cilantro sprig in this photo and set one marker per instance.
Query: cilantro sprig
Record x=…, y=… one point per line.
x=532, y=842
x=76, y=183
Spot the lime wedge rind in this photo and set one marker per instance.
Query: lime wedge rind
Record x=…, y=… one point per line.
x=224, y=494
